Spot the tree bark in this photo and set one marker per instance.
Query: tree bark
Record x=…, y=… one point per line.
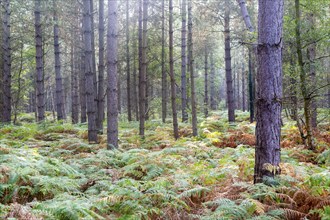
x=206, y=92
x=128, y=70
x=39, y=64
x=74, y=86
x=164, y=75
x=243, y=88
x=245, y=14
x=100, y=93
x=112, y=61
x=183, y=62
x=269, y=90
x=229, y=79
x=6, y=46
x=90, y=89
x=59, y=87
x=212, y=84
x=191, y=68
x=251, y=87
x=82, y=88
x=173, y=89
x=135, y=81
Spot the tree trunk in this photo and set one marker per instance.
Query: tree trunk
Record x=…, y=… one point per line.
x=90, y=89
x=206, y=92
x=128, y=70
x=173, y=90
x=112, y=47
x=243, y=88
x=94, y=61
x=191, y=67
x=245, y=14
x=74, y=86
x=164, y=75
x=100, y=99
x=19, y=84
x=212, y=84
x=303, y=80
x=82, y=86
x=39, y=64
x=6, y=113
x=229, y=79
x=183, y=62
x=251, y=87
x=269, y=90
x=238, y=88
x=59, y=87
x=135, y=81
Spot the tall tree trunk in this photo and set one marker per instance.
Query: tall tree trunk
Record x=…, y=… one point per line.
x=269, y=90
x=173, y=90
x=94, y=60
x=164, y=75
x=191, y=68
x=100, y=94
x=183, y=62
x=119, y=70
x=90, y=89
x=303, y=80
x=6, y=113
x=243, y=87
x=135, y=81
x=59, y=87
x=1, y=68
x=82, y=89
x=74, y=85
x=19, y=84
x=112, y=47
x=212, y=84
x=206, y=81
x=245, y=14
x=143, y=24
x=39, y=64
x=229, y=79
x=251, y=87
x=128, y=70
x=238, y=89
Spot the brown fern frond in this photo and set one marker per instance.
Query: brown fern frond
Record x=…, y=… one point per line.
x=300, y=197
x=293, y=214
x=285, y=198
x=323, y=203
x=313, y=201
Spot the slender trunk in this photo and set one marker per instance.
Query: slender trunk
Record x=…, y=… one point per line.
x=269, y=90
x=135, y=83
x=100, y=93
x=251, y=87
x=183, y=63
x=206, y=92
x=82, y=86
x=90, y=89
x=74, y=86
x=59, y=86
x=39, y=64
x=112, y=47
x=245, y=14
x=238, y=89
x=128, y=70
x=164, y=75
x=191, y=67
x=243, y=88
x=94, y=60
x=119, y=87
x=19, y=85
x=7, y=99
x=212, y=84
x=229, y=80
x=303, y=80
x=173, y=90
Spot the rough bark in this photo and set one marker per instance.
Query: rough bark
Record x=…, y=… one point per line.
x=206, y=81
x=269, y=90
x=191, y=70
x=58, y=75
x=212, y=84
x=40, y=101
x=128, y=67
x=164, y=75
x=100, y=93
x=74, y=86
x=183, y=62
x=6, y=47
x=173, y=89
x=112, y=93
x=90, y=89
x=1, y=67
x=303, y=79
x=229, y=79
x=82, y=90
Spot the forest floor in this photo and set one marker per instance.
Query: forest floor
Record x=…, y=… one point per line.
x=49, y=171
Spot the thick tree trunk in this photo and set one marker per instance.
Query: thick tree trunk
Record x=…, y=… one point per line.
x=303, y=80
x=112, y=47
x=59, y=87
x=90, y=89
x=164, y=75
x=39, y=64
x=6, y=113
x=128, y=69
x=183, y=62
x=229, y=79
x=143, y=24
x=100, y=93
x=269, y=90
x=212, y=84
x=191, y=68
x=206, y=81
x=173, y=90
